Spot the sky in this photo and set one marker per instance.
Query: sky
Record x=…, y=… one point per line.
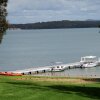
x=31, y=11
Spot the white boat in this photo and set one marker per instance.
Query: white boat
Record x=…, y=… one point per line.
x=57, y=68
x=89, y=59
x=89, y=65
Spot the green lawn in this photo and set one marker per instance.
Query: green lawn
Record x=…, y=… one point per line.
x=11, y=88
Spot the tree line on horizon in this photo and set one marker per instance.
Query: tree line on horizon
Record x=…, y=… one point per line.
x=57, y=24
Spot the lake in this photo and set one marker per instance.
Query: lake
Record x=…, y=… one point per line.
x=22, y=49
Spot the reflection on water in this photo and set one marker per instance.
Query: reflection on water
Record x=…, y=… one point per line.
x=1, y=36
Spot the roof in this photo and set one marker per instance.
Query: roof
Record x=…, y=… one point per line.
x=89, y=57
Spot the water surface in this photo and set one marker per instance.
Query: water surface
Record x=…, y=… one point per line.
x=22, y=49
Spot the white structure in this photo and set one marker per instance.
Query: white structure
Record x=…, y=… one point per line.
x=58, y=68
x=89, y=59
x=99, y=60
x=89, y=65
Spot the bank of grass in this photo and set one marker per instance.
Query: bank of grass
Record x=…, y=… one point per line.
x=48, y=88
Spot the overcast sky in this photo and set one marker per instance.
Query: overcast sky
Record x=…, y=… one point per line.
x=29, y=11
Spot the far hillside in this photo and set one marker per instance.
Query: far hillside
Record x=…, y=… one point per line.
x=58, y=24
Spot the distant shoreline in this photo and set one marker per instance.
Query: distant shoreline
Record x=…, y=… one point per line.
x=57, y=25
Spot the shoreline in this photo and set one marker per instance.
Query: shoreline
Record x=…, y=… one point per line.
x=68, y=76
x=57, y=80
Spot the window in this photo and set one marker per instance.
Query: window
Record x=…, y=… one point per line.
x=57, y=66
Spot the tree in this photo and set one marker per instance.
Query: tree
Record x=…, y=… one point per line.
x=3, y=14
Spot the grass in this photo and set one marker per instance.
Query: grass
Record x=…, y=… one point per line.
x=46, y=88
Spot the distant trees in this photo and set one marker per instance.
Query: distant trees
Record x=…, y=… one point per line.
x=3, y=14
x=57, y=24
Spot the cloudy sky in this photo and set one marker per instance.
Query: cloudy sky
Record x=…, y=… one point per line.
x=29, y=11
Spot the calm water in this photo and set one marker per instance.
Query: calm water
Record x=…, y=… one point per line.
x=22, y=49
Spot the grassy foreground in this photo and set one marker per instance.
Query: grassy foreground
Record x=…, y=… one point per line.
x=46, y=88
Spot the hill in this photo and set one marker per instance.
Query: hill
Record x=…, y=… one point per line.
x=57, y=24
